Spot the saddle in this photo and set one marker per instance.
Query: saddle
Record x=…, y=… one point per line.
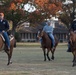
x=4, y=45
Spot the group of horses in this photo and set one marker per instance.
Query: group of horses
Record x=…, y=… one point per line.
x=47, y=45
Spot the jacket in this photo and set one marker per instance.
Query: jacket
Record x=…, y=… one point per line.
x=73, y=26
x=4, y=25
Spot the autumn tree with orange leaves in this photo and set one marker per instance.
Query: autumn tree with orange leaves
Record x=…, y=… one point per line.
x=50, y=6
x=14, y=11
x=45, y=8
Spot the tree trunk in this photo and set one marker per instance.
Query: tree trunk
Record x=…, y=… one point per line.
x=14, y=28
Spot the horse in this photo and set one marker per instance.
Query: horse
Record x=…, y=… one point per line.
x=72, y=40
x=47, y=45
x=3, y=46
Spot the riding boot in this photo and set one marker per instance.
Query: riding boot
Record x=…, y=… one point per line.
x=53, y=48
x=6, y=48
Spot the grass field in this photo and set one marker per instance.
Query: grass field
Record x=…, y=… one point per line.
x=36, y=44
x=29, y=61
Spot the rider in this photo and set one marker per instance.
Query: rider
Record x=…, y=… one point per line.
x=4, y=26
x=72, y=27
x=48, y=28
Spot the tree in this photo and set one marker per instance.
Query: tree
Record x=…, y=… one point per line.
x=49, y=7
x=68, y=14
x=44, y=8
x=14, y=10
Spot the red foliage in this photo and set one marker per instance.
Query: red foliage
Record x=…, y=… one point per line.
x=41, y=3
x=12, y=6
x=15, y=4
x=19, y=1
x=52, y=7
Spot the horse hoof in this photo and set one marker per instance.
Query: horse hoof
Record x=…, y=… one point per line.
x=73, y=65
x=52, y=58
x=44, y=60
x=11, y=62
x=7, y=64
x=49, y=60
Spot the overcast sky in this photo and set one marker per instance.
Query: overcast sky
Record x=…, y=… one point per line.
x=29, y=8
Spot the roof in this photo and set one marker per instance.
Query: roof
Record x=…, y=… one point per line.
x=30, y=29
x=58, y=29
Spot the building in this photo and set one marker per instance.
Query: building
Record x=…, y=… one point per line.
x=29, y=34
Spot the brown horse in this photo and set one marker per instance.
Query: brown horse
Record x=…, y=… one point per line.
x=72, y=39
x=47, y=45
x=4, y=47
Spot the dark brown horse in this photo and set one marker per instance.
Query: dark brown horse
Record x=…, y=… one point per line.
x=47, y=45
x=3, y=47
x=72, y=39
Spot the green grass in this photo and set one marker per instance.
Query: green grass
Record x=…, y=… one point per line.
x=35, y=44
x=28, y=44
x=29, y=61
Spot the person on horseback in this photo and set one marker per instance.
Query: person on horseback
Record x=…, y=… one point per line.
x=73, y=25
x=4, y=27
x=48, y=28
x=73, y=28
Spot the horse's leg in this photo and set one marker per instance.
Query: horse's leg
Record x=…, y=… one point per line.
x=52, y=51
x=8, y=53
x=74, y=58
x=44, y=51
x=9, y=56
x=48, y=54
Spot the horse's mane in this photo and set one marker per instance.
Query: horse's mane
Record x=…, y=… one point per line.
x=45, y=35
x=46, y=41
